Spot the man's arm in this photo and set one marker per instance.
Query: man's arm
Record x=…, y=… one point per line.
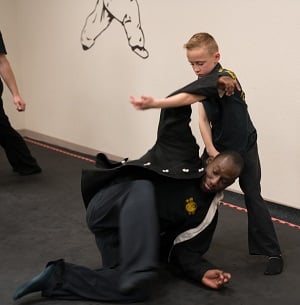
x=8, y=76
x=227, y=85
x=188, y=257
x=205, y=130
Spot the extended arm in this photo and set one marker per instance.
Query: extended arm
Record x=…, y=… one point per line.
x=205, y=130
x=8, y=76
x=180, y=99
x=225, y=84
x=197, y=268
x=188, y=257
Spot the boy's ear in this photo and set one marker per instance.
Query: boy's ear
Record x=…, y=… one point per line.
x=209, y=159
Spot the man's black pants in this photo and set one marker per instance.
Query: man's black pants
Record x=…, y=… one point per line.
x=14, y=146
x=123, y=218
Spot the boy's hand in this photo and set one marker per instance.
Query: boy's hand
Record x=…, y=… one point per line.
x=145, y=102
x=215, y=278
x=228, y=85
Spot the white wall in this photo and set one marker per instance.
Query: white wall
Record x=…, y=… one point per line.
x=82, y=96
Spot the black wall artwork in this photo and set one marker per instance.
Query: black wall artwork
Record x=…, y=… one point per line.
x=126, y=12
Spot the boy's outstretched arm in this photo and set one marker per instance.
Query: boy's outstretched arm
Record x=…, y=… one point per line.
x=180, y=99
x=225, y=83
x=205, y=130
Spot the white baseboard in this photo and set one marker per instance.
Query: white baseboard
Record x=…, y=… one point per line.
x=65, y=144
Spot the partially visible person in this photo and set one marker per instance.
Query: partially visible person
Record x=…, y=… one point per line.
x=225, y=124
x=17, y=152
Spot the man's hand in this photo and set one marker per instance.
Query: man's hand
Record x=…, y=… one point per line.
x=228, y=85
x=215, y=278
x=20, y=104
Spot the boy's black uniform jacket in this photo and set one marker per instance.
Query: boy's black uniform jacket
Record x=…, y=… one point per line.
x=232, y=128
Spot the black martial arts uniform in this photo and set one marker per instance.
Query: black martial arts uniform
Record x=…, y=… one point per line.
x=232, y=129
x=135, y=208
x=14, y=145
x=123, y=218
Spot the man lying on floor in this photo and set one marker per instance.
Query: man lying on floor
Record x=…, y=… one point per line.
x=163, y=204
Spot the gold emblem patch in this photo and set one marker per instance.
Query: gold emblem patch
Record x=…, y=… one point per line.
x=191, y=206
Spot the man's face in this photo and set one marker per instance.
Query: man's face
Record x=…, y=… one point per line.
x=202, y=61
x=219, y=174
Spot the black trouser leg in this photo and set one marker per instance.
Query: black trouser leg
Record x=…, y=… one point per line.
x=139, y=232
x=124, y=221
x=261, y=233
x=71, y=282
x=103, y=221
x=15, y=147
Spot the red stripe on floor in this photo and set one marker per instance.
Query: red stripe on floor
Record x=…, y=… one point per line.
x=230, y=205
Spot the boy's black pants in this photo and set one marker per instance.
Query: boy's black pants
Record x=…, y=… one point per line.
x=261, y=233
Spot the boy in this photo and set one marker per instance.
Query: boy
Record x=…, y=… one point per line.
x=225, y=124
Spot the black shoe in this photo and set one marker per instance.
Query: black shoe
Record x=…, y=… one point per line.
x=274, y=265
x=30, y=171
x=38, y=283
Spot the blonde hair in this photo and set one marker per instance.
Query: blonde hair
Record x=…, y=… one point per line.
x=202, y=40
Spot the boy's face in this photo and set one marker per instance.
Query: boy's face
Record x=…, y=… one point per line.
x=202, y=61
